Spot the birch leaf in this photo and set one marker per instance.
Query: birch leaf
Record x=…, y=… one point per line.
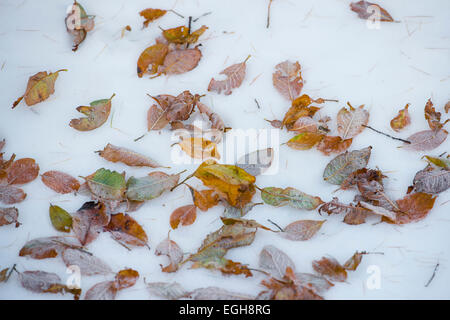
x=60, y=218
x=170, y=249
x=151, y=186
x=366, y=10
x=235, y=75
x=60, y=182
x=301, y=230
x=96, y=115
x=89, y=265
x=275, y=261
x=256, y=162
x=338, y=169
x=287, y=79
x=426, y=140
x=350, y=122
x=185, y=215
x=40, y=86
x=130, y=158
x=402, y=120
x=289, y=196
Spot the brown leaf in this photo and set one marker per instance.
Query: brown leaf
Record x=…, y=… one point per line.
x=130, y=158
x=296, y=112
x=432, y=180
x=156, y=118
x=433, y=117
x=353, y=214
x=301, y=230
x=351, y=122
x=45, y=282
x=96, y=115
x=152, y=56
x=354, y=261
x=287, y=79
x=180, y=61
x=333, y=144
x=447, y=107
x=23, y=171
x=88, y=222
x=215, y=120
x=151, y=15
x=9, y=216
x=402, y=119
x=275, y=261
x=426, y=140
x=105, y=290
x=204, y=199
x=78, y=23
x=366, y=10
x=414, y=207
x=185, y=215
x=374, y=193
x=330, y=268
x=362, y=175
x=60, y=182
x=125, y=278
x=235, y=75
x=170, y=249
x=181, y=35
x=124, y=228
x=47, y=247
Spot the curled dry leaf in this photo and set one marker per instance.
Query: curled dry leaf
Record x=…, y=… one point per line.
x=125, y=278
x=235, y=75
x=185, y=215
x=290, y=196
x=125, y=229
x=374, y=193
x=333, y=144
x=447, y=107
x=48, y=247
x=11, y=194
x=78, y=24
x=302, y=230
x=22, y=171
x=430, y=180
x=180, y=61
x=182, y=35
x=204, y=199
x=338, y=169
x=96, y=115
x=45, y=282
x=353, y=214
x=354, y=261
x=433, y=117
x=60, y=218
x=257, y=161
x=275, y=261
x=287, y=79
x=60, y=182
x=170, y=291
x=215, y=120
x=130, y=158
x=402, y=119
x=151, y=186
x=9, y=216
x=231, y=182
x=246, y=223
x=106, y=184
x=330, y=268
x=88, y=264
x=305, y=140
x=151, y=14
x=414, y=207
x=152, y=57
x=366, y=10
x=199, y=148
x=426, y=140
x=170, y=249
x=363, y=175
x=351, y=122
x=40, y=86
x=297, y=112
x=88, y=222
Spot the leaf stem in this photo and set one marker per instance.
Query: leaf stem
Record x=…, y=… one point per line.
x=387, y=135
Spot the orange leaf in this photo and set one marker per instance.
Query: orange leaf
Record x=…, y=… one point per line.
x=330, y=268
x=185, y=215
x=401, y=120
x=151, y=15
x=60, y=182
x=124, y=228
x=125, y=278
x=154, y=56
x=204, y=199
x=199, y=148
x=333, y=144
x=305, y=140
x=414, y=207
x=23, y=171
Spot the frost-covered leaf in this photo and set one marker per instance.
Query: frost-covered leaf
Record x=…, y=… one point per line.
x=374, y=193
x=401, y=120
x=106, y=184
x=47, y=247
x=353, y=214
x=170, y=249
x=433, y=117
x=244, y=222
x=215, y=120
x=275, y=261
x=89, y=265
x=367, y=10
x=130, y=158
x=9, y=216
x=89, y=221
x=414, y=207
x=431, y=180
x=330, y=268
x=199, y=148
x=151, y=186
x=156, y=118
x=11, y=194
x=235, y=75
x=125, y=278
x=215, y=293
x=60, y=182
x=353, y=262
x=301, y=230
x=102, y=291
x=182, y=35
x=40, y=86
x=332, y=144
x=290, y=196
x=350, y=122
x=184, y=215
x=381, y=211
x=287, y=79
x=23, y=171
x=338, y=169
x=317, y=283
x=170, y=291
x=256, y=162
x=180, y=61
x=426, y=140
x=125, y=229
x=96, y=115
x=45, y=282
x=233, y=212
x=60, y=218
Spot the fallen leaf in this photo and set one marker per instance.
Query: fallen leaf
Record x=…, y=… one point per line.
x=402, y=119
x=305, y=124
x=367, y=10
x=275, y=261
x=107, y=185
x=180, y=61
x=289, y=196
x=45, y=282
x=235, y=75
x=170, y=249
x=152, y=56
x=124, y=228
x=426, y=140
x=297, y=112
x=433, y=117
x=432, y=180
x=354, y=261
x=351, y=122
x=96, y=115
x=256, y=162
x=78, y=23
x=185, y=215
x=40, y=86
x=338, y=169
x=125, y=279
x=23, y=171
x=233, y=212
x=353, y=214
x=60, y=218
x=11, y=194
x=330, y=268
x=305, y=140
x=151, y=186
x=414, y=207
x=9, y=216
x=199, y=148
x=105, y=290
x=151, y=15
x=47, y=247
x=287, y=79
x=88, y=264
x=89, y=221
x=204, y=199
x=156, y=118
x=245, y=222
x=215, y=120
x=301, y=230
x=130, y=158
x=215, y=293
x=60, y=182
x=333, y=144
x=439, y=161
x=181, y=35
x=374, y=193
x=170, y=291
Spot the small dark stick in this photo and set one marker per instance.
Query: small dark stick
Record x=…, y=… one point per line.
x=257, y=104
x=385, y=134
x=432, y=276
x=203, y=15
x=268, y=14
x=276, y=225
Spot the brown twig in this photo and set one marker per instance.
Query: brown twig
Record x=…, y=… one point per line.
x=276, y=225
x=387, y=135
x=257, y=104
x=432, y=276
x=268, y=14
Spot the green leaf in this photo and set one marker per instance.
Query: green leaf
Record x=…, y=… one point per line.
x=60, y=218
x=151, y=186
x=107, y=184
x=344, y=164
x=278, y=197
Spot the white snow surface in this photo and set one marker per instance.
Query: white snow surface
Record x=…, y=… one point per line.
x=341, y=58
